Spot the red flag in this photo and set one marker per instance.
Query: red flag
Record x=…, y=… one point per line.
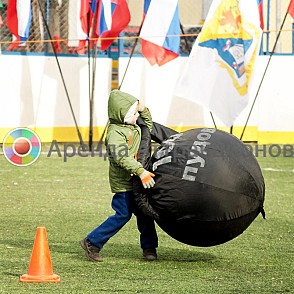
x=85, y=8
x=260, y=9
x=1, y=20
x=291, y=8
x=86, y=20
x=11, y=21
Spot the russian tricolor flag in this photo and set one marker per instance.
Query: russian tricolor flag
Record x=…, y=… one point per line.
x=160, y=31
x=99, y=19
x=83, y=9
x=19, y=17
x=107, y=19
x=113, y=17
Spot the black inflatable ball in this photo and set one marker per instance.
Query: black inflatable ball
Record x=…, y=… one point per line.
x=209, y=187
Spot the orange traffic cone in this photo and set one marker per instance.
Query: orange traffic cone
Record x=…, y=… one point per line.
x=40, y=268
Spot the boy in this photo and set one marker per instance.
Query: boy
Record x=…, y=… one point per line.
x=122, y=141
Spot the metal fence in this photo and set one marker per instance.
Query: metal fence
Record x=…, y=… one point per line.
x=55, y=14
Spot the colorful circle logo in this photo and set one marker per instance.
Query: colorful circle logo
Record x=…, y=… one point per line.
x=21, y=146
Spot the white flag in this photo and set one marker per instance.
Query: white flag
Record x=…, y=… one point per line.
x=220, y=66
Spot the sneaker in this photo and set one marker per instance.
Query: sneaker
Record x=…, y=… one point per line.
x=149, y=254
x=91, y=251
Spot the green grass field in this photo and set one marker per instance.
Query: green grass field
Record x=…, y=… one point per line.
x=72, y=198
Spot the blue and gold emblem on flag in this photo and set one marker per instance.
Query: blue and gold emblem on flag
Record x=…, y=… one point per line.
x=233, y=38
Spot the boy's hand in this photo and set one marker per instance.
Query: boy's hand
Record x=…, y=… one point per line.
x=147, y=179
x=141, y=106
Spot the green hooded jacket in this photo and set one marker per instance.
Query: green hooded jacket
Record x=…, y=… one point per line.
x=122, y=141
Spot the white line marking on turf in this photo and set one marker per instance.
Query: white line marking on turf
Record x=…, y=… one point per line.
x=278, y=170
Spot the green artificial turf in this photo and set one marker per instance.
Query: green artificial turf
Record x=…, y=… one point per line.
x=71, y=198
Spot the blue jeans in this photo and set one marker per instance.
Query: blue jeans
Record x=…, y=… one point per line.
x=123, y=205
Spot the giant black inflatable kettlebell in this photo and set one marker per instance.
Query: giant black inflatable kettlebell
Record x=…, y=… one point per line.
x=209, y=187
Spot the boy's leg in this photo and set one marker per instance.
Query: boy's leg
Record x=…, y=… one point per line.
x=121, y=203
x=148, y=236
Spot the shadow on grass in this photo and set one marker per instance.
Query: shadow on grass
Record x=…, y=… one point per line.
x=19, y=243
x=119, y=251
x=116, y=250
x=11, y=274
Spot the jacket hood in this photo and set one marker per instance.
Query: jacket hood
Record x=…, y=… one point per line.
x=118, y=105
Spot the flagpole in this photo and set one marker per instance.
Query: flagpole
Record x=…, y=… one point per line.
x=267, y=65
x=94, y=55
x=89, y=75
x=213, y=120
x=189, y=50
x=185, y=39
x=92, y=90
x=131, y=55
x=61, y=74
